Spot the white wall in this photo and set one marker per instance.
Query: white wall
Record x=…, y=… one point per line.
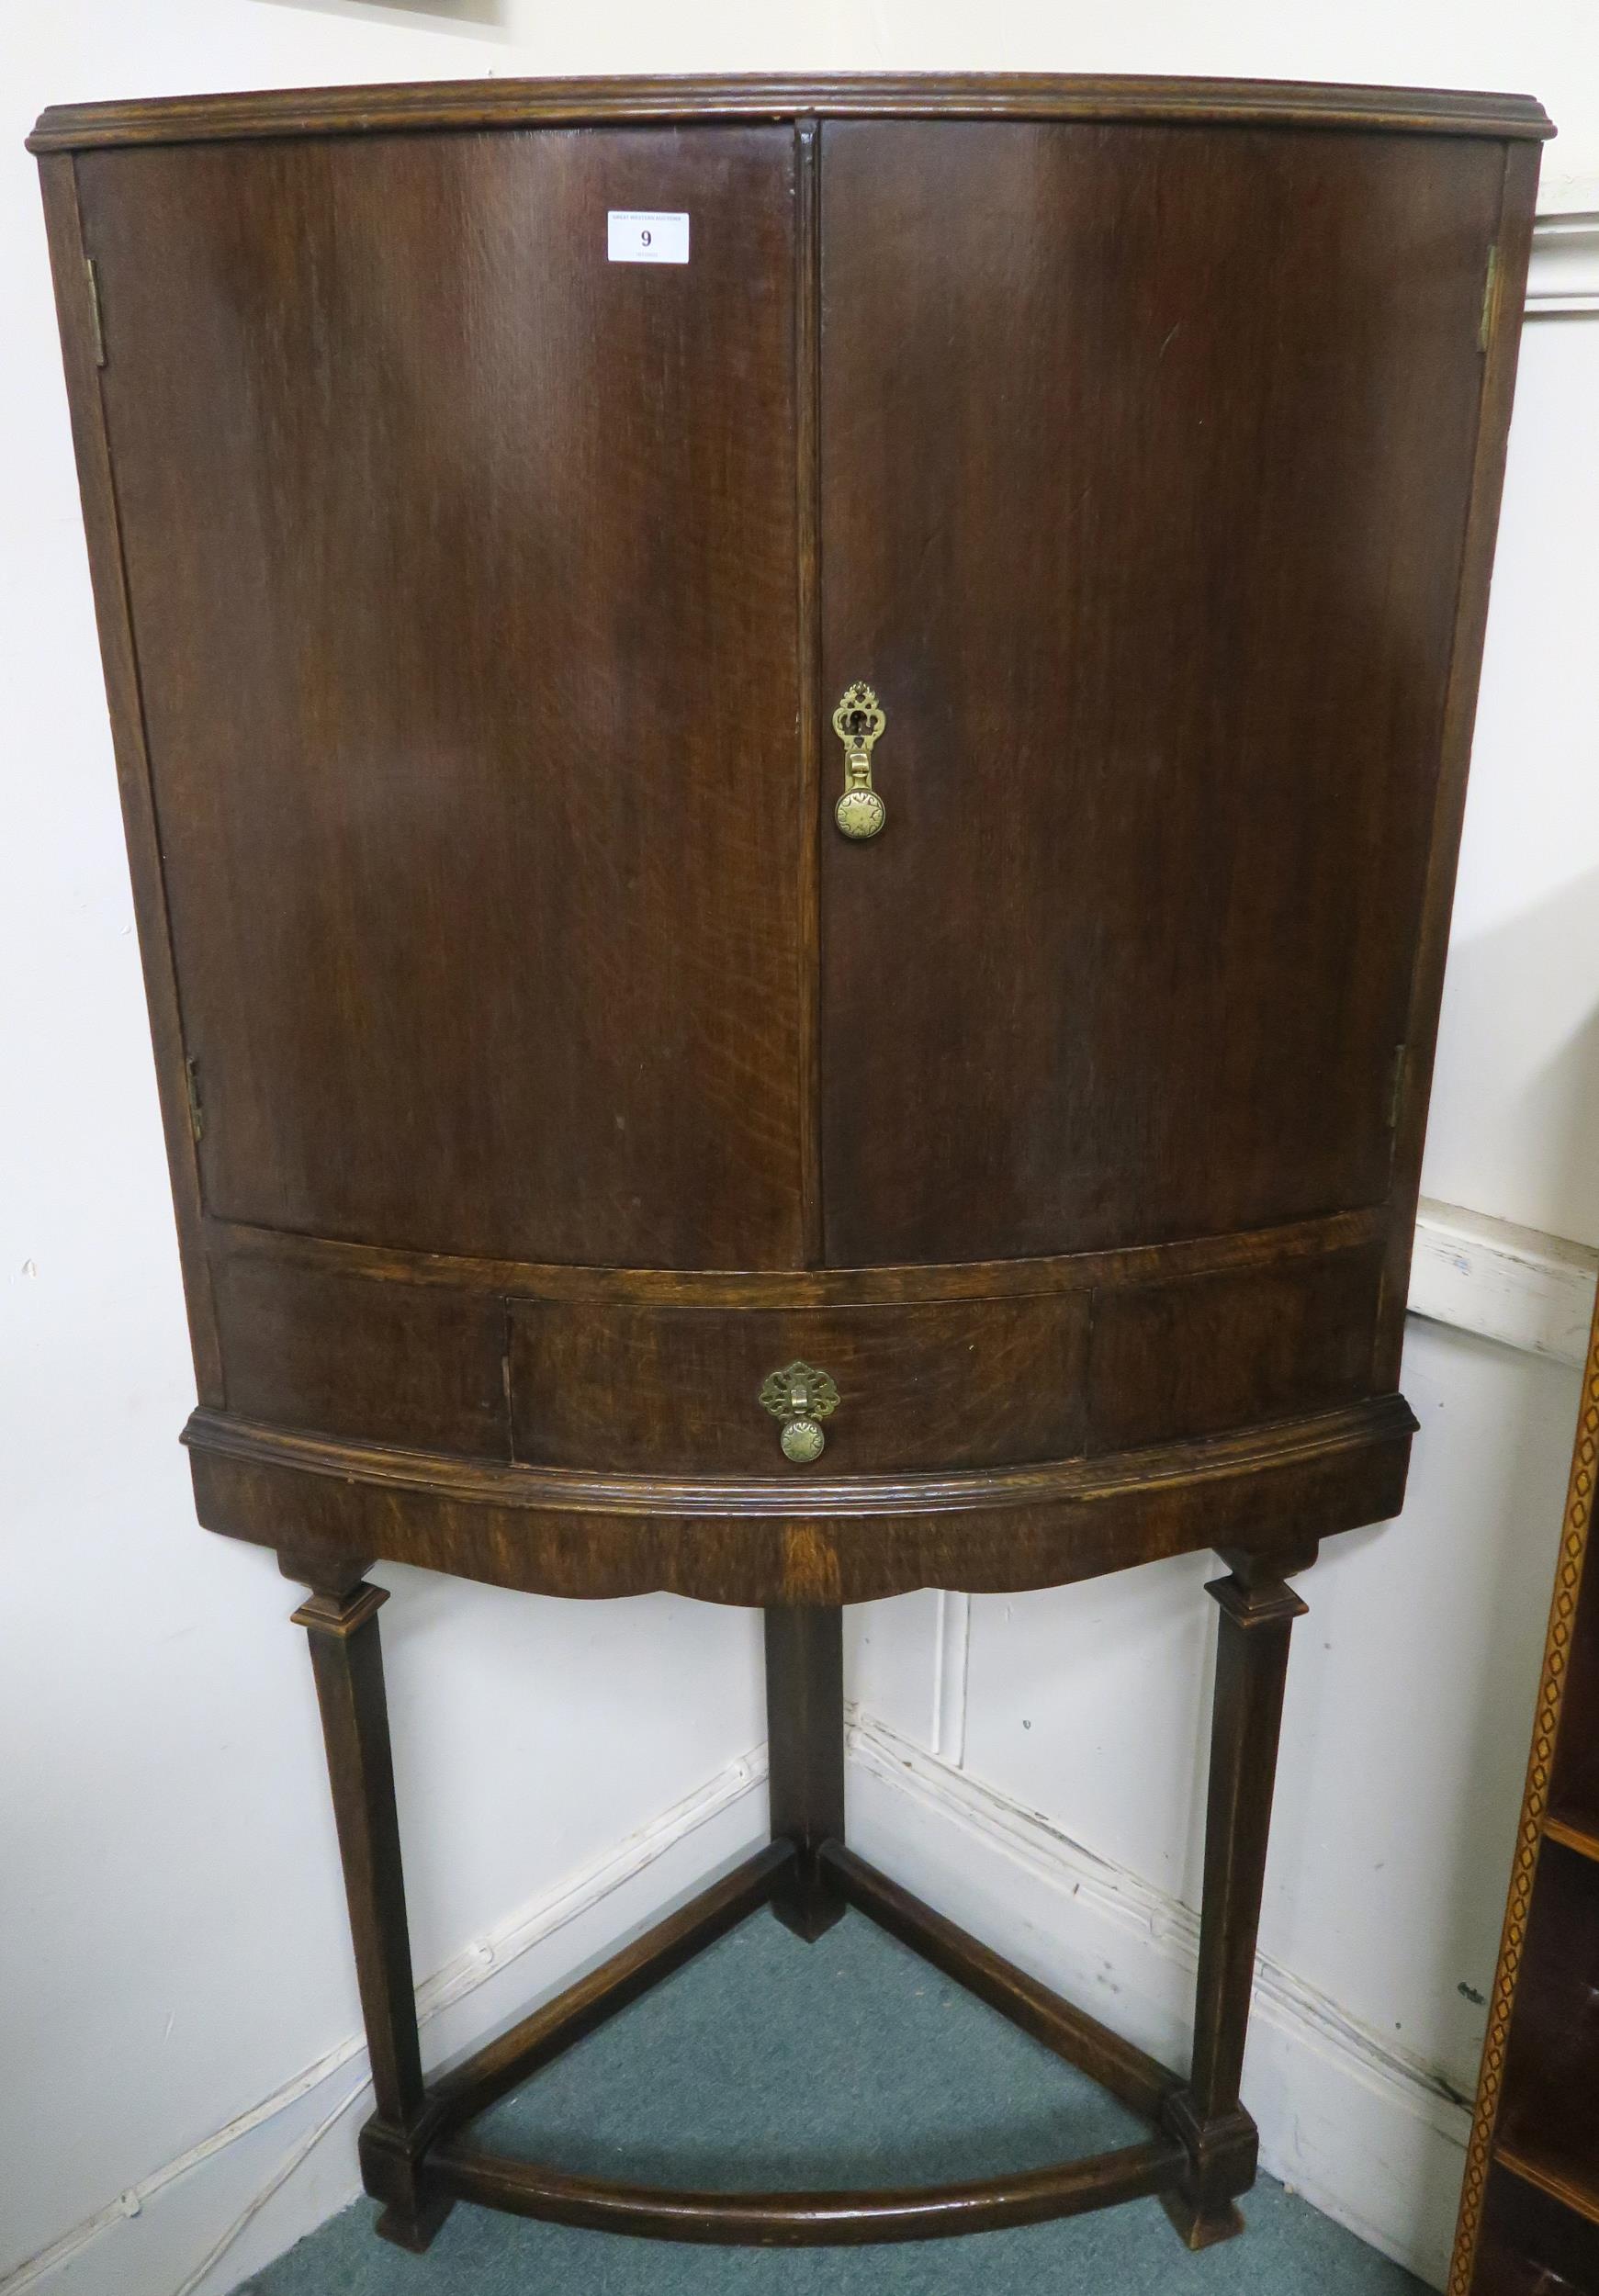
x=173, y=1972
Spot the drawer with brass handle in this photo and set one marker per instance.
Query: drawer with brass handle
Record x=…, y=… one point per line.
x=786, y=1392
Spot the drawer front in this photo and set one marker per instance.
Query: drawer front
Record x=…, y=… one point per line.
x=944, y=1383
x=610, y=1385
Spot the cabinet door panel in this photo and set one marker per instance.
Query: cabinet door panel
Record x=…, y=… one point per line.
x=1146, y=455
x=462, y=571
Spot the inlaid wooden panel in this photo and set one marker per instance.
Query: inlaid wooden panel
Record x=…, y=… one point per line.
x=1529, y=2197
x=461, y=564
x=939, y=1384
x=1550, y=2107
x=1532, y=2244
x=1573, y=1779
x=1146, y=455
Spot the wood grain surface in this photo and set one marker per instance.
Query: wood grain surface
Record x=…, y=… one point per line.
x=471, y=104
x=1146, y=462
x=462, y=565
x=540, y=1068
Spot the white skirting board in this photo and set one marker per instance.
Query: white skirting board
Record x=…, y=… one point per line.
x=1515, y=1285
x=206, y=2222
x=1363, y=2129
x=1364, y=2118
x=1563, y=276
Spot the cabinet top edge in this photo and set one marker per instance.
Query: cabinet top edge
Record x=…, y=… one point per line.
x=477, y=104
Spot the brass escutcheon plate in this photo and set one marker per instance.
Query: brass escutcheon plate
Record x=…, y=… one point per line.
x=858, y=721
x=802, y=1397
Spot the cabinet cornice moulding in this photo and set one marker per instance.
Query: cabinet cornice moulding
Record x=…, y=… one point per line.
x=1022, y=96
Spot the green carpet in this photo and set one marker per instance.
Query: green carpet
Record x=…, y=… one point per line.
x=850, y=2062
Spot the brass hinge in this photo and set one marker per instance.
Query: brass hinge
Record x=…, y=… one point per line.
x=197, y=1114
x=1490, y=300
x=97, y=318
x=1396, y=1085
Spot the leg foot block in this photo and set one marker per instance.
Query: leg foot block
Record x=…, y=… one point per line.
x=807, y=1898
x=808, y=1922
x=393, y=2171
x=1201, y=2228
x=414, y=2233
x=1222, y=2153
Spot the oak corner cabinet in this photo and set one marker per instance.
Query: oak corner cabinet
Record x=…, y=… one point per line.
x=792, y=753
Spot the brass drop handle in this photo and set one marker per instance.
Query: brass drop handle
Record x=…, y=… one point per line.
x=801, y=1397
x=858, y=721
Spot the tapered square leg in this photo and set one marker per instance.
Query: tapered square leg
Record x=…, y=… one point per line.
x=347, y=1660
x=805, y=1714
x=1258, y=1614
